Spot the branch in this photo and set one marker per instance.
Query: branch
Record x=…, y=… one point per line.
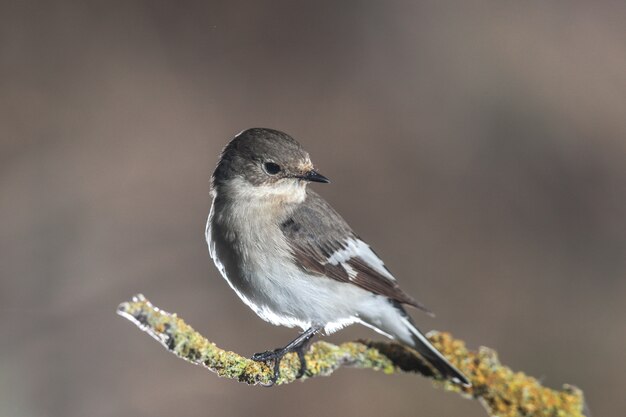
x=504, y=393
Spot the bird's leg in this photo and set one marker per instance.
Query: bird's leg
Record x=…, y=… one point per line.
x=301, y=351
x=299, y=345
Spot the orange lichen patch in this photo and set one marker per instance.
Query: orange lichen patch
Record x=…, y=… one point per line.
x=503, y=392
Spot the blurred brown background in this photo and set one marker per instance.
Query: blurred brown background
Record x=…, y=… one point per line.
x=481, y=148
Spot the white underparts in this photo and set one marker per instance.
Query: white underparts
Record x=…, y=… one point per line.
x=252, y=254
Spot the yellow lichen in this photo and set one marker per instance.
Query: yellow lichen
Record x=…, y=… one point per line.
x=504, y=393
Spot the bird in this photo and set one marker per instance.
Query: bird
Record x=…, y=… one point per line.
x=293, y=259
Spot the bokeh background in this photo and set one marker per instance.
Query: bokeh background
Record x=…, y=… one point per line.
x=479, y=146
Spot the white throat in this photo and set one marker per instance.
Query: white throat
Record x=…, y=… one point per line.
x=283, y=192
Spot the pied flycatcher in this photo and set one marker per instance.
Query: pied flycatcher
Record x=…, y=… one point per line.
x=292, y=259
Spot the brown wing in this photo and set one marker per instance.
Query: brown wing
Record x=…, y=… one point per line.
x=322, y=243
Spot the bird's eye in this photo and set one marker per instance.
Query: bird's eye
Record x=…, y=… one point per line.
x=271, y=168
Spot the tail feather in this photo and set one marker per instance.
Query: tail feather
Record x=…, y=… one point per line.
x=389, y=318
x=423, y=346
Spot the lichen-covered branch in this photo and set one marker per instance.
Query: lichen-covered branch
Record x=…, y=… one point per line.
x=504, y=393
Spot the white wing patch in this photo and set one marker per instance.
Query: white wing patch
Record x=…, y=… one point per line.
x=351, y=271
x=356, y=248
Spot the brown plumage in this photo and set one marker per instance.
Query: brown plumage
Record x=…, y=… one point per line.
x=315, y=231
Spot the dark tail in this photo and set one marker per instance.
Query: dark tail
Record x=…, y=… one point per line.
x=433, y=356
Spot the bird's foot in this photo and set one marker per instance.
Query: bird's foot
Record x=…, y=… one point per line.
x=300, y=345
x=277, y=355
x=268, y=355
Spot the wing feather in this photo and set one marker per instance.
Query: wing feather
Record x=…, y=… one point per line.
x=322, y=243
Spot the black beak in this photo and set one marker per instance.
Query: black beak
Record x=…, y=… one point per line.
x=314, y=176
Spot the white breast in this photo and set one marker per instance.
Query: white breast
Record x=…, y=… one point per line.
x=250, y=251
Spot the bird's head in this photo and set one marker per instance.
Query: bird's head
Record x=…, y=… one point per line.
x=265, y=161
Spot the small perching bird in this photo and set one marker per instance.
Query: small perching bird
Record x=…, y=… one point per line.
x=292, y=259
